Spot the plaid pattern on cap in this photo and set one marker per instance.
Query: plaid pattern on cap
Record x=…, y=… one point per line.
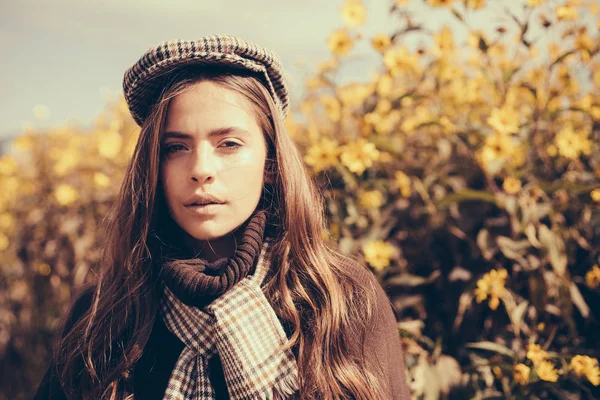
x=143, y=82
x=242, y=327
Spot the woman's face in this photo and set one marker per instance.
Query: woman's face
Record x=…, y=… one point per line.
x=211, y=145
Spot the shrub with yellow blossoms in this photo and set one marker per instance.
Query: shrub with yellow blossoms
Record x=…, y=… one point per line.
x=465, y=172
x=59, y=191
x=471, y=156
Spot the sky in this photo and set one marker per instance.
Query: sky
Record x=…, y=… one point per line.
x=70, y=55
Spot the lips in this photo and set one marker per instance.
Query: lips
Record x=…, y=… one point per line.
x=203, y=199
x=205, y=210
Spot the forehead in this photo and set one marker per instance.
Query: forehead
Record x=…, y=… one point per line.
x=207, y=105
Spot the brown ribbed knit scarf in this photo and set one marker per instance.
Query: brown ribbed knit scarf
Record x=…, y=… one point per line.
x=220, y=307
x=197, y=282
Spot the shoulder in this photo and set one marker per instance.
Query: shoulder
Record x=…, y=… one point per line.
x=382, y=345
x=378, y=294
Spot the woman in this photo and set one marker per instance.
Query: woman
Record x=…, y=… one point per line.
x=216, y=281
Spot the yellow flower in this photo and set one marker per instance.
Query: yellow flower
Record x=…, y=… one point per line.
x=403, y=183
x=566, y=12
x=521, y=374
x=492, y=286
x=322, y=155
x=383, y=106
x=358, y=156
x=475, y=4
x=4, y=242
x=444, y=42
x=385, y=124
x=340, y=43
x=101, y=180
x=315, y=82
x=546, y=372
x=110, y=144
x=583, y=41
x=440, y=3
x=595, y=112
x=586, y=366
x=8, y=165
x=402, y=2
x=495, y=151
x=384, y=85
x=378, y=254
x=354, y=94
x=24, y=142
x=371, y=199
x=595, y=195
x=518, y=156
x=67, y=161
x=541, y=326
x=43, y=268
x=592, y=278
x=571, y=144
x=535, y=353
x=504, y=120
x=420, y=115
x=333, y=108
x=381, y=42
x=65, y=194
x=354, y=13
x=596, y=76
x=511, y=185
x=7, y=221
x=497, y=371
x=535, y=3
x=399, y=60
x=328, y=65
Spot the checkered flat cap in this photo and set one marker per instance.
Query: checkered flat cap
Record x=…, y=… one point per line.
x=144, y=81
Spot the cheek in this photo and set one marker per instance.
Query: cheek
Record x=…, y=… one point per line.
x=245, y=170
x=167, y=182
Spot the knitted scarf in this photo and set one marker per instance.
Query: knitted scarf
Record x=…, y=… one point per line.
x=221, y=308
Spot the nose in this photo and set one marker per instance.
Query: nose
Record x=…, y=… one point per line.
x=203, y=169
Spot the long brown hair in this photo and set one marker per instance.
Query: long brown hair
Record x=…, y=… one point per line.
x=309, y=288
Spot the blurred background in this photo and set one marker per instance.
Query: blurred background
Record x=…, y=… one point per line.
x=456, y=143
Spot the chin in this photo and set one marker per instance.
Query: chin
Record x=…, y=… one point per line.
x=209, y=234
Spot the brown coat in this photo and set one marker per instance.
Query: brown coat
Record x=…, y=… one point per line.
x=152, y=371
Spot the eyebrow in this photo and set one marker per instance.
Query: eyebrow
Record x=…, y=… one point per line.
x=213, y=133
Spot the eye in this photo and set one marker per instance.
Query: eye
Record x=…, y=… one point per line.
x=172, y=148
x=229, y=144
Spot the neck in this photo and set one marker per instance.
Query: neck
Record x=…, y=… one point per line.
x=215, y=249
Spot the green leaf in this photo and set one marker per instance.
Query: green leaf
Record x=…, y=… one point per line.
x=512, y=249
x=466, y=195
x=412, y=280
x=491, y=346
x=555, y=247
x=516, y=316
x=579, y=301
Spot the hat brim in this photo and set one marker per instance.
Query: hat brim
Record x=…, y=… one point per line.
x=144, y=93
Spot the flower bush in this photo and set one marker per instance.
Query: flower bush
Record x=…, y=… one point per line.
x=465, y=173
